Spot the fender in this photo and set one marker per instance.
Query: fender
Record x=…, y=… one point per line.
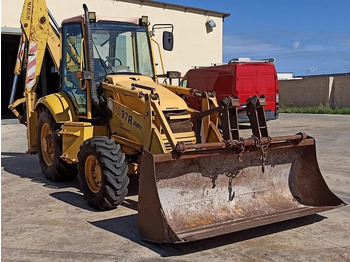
x=59, y=105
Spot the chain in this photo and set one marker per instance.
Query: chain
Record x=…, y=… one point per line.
x=234, y=144
x=241, y=150
x=263, y=152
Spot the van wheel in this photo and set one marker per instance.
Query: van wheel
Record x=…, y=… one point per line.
x=102, y=173
x=50, y=149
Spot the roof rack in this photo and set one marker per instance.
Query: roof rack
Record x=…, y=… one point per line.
x=248, y=60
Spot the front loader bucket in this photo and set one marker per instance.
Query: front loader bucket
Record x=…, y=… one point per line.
x=209, y=192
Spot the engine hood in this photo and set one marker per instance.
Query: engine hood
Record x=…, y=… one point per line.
x=168, y=100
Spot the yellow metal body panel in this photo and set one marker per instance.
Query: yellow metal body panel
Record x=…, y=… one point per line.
x=152, y=55
x=139, y=106
x=54, y=46
x=74, y=134
x=164, y=123
x=129, y=147
x=130, y=124
x=124, y=85
x=179, y=89
x=20, y=55
x=188, y=116
x=60, y=107
x=157, y=145
x=13, y=106
x=187, y=137
x=31, y=122
x=160, y=55
x=35, y=24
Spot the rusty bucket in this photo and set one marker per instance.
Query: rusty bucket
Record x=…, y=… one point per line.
x=208, y=193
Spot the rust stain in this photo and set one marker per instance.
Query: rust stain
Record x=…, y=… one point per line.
x=199, y=222
x=236, y=208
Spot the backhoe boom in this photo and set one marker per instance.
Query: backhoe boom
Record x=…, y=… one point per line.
x=37, y=35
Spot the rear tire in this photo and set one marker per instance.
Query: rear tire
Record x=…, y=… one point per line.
x=102, y=173
x=50, y=149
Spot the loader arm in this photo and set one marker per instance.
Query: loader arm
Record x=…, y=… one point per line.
x=155, y=125
x=209, y=123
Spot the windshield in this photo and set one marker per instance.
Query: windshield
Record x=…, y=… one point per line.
x=121, y=48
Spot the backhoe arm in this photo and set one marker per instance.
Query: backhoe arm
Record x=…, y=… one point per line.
x=37, y=34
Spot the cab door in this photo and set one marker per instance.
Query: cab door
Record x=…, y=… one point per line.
x=71, y=64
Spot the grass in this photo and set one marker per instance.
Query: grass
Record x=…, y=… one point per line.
x=315, y=110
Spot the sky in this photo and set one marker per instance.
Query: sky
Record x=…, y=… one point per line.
x=307, y=37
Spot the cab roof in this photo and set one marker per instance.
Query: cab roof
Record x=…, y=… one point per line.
x=80, y=18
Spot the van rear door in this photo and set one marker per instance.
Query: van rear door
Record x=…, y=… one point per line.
x=266, y=85
x=257, y=79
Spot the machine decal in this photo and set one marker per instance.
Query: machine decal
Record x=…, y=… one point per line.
x=20, y=53
x=33, y=48
x=123, y=114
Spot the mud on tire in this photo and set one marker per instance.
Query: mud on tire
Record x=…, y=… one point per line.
x=110, y=191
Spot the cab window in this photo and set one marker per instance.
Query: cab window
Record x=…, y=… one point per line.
x=72, y=62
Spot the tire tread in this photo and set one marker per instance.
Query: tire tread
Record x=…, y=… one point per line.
x=114, y=172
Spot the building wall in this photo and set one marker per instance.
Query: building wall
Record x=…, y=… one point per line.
x=285, y=76
x=192, y=45
x=333, y=91
x=341, y=91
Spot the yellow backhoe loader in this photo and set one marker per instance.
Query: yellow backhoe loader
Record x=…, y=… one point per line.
x=111, y=119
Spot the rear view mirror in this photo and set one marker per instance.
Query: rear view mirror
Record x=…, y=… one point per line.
x=168, y=41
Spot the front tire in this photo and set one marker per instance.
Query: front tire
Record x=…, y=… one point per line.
x=50, y=149
x=102, y=173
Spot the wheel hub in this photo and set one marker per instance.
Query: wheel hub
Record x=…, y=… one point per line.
x=47, y=145
x=93, y=173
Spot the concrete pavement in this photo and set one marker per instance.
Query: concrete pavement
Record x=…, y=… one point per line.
x=47, y=221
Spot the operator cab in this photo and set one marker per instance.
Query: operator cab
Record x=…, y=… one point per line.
x=120, y=46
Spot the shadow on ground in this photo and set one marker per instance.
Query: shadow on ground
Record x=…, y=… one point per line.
x=127, y=227
x=73, y=199
x=77, y=200
x=27, y=166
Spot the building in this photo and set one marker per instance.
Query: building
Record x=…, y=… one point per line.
x=285, y=75
x=194, y=44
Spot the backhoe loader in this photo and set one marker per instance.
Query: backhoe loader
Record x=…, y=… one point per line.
x=111, y=119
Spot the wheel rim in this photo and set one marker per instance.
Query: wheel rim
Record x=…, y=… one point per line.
x=93, y=173
x=47, y=147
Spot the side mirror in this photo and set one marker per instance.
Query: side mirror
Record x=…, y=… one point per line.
x=168, y=41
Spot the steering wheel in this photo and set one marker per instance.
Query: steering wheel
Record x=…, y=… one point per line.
x=113, y=58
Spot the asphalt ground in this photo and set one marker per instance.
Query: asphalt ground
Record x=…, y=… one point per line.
x=47, y=221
